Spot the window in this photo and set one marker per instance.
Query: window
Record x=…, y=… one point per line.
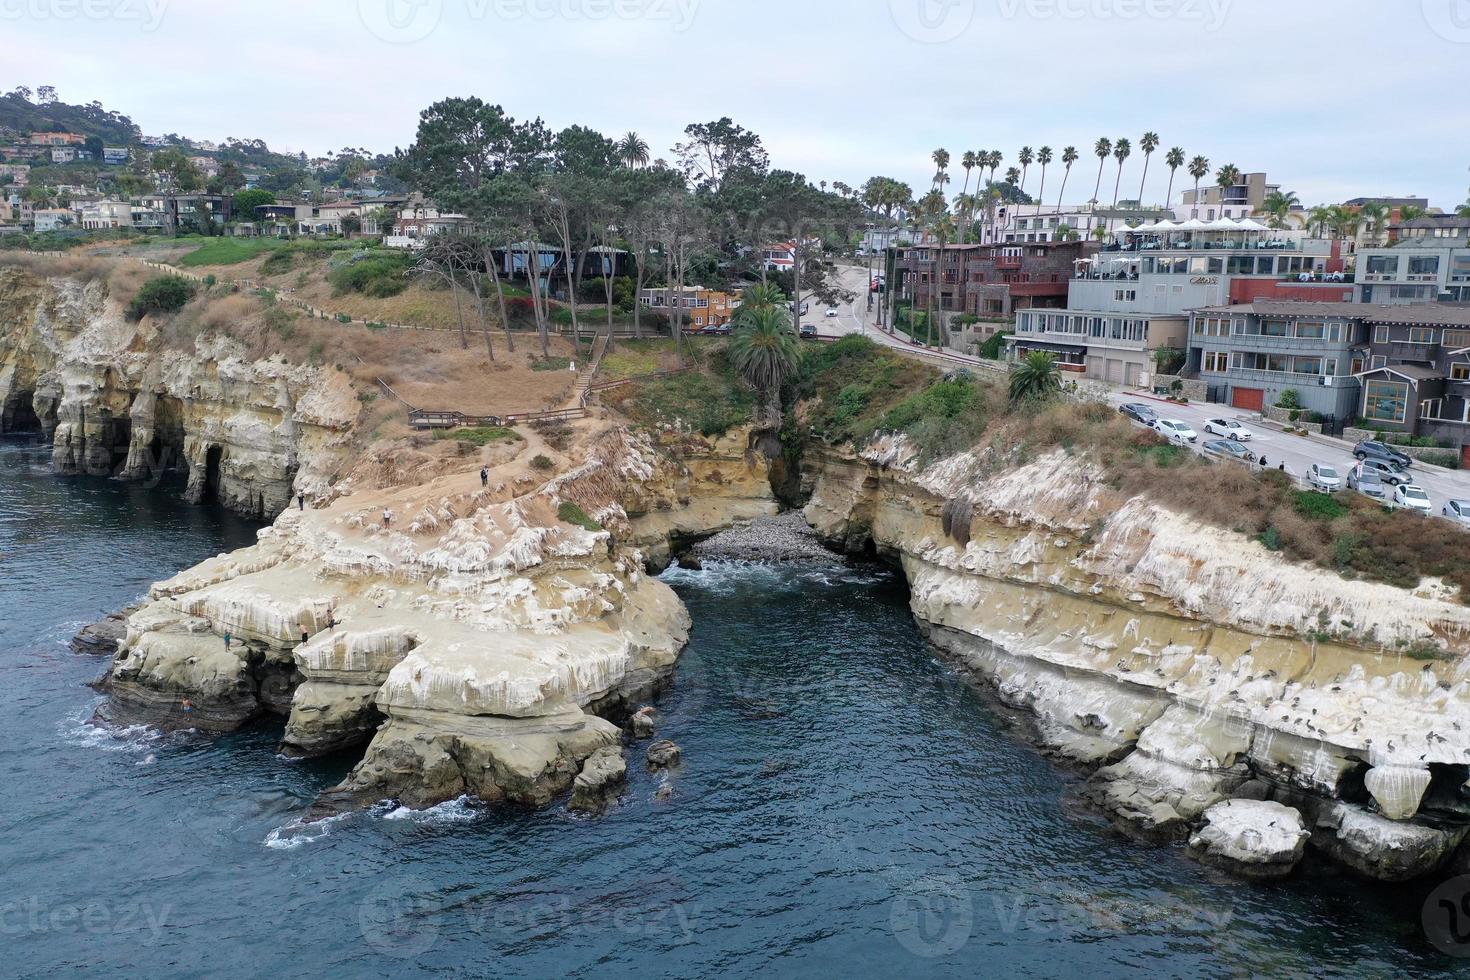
x=1380, y=334
x=1357, y=364
x=1377, y=361
x=1460, y=372
x=1383, y=265
x=1424, y=265
x=1216, y=360
x=1311, y=331
x=1429, y=408
x=1386, y=401
x=1457, y=339
x=1421, y=335
x=1124, y=295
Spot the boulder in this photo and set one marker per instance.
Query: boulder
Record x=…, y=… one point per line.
x=663, y=754
x=102, y=636
x=1387, y=850
x=600, y=779
x=640, y=726
x=1251, y=838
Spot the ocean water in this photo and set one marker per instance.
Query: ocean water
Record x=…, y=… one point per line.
x=847, y=806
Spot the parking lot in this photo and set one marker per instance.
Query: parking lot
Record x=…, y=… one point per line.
x=1300, y=452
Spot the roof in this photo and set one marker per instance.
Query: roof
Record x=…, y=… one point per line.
x=1411, y=372
x=1415, y=314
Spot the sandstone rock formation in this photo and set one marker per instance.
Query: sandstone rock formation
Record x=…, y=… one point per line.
x=1251, y=838
x=601, y=777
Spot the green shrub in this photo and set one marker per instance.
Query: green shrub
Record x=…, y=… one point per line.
x=1271, y=538
x=1290, y=398
x=1448, y=460
x=483, y=435
x=551, y=363
x=1318, y=506
x=542, y=462
x=570, y=513
x=276, y=263
x=994, y=345
x=209, y=281
x=371, y=274
x=1344, y=546
x=161, y=294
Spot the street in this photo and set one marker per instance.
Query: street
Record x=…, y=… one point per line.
x=1298, y=452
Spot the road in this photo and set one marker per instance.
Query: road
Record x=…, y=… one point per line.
x=1299, y=452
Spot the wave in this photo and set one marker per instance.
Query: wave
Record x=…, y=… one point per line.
x=465, y=809
x=84, y=730
x=298, y=832
x=719, y=575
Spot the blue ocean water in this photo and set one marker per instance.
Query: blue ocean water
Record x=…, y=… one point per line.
x=847, y=806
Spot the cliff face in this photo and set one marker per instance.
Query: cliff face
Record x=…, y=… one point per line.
x=114, y=398
x=478, y=640
x=1186, y=665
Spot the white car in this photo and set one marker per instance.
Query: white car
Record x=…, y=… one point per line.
x=1176, y=431
x=831, y=311
x=1412, y=497
x=1229, y=429
x=1322, y=477
x=1458, y=511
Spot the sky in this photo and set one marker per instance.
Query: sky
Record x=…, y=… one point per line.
x=1331, y=98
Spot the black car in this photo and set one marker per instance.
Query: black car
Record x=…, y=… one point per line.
x=1373, y=449
x=1139, y=412
x=807, y=330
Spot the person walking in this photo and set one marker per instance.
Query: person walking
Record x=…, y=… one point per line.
x=227, y=639
x=301, y=501
x=484, y=477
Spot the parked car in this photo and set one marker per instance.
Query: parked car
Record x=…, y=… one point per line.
x=1322, y=477
x=804, y=307
x=1139, y=412
x=808, y=330
x=1373, y=449
x=1367, y=483
x=1229, y=429
x=1458, y=511
x=1412, y=497
x=831, y=311
x=1387, y=472
x=1176, y=431
x=1229, y=449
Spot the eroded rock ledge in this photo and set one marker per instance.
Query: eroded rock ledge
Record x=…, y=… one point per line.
x=1185, y=666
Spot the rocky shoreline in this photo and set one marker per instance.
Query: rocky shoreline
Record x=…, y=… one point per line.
x=784, y=539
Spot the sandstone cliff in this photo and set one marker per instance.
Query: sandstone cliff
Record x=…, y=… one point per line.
x=119, y=398
x=1186, y=664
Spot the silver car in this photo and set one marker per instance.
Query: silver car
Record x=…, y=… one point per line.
x=1322, y=477
x=1367, y=483
x=1458, y=511
x=1229, y=449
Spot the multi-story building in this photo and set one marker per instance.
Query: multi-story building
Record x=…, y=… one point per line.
x=51, y=219
x=1414, y=366
x=57, y=139
x=115, y=155
x=1241, y=200
x=189, y=210
x=992, y=281
x=1132, y=299
x=1429, y=262
x=106, y=214
x=63, y=154
x=706, y=308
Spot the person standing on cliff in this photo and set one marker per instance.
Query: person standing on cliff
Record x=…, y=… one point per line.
x=305, y=634
x=301, y=501
x=484, y=477
x=387, y=518
x=227, y=639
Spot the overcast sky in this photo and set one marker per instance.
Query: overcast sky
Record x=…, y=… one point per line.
x=1332, y=98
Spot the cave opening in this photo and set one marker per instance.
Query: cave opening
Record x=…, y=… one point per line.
x=212, y=458
x=19, y=413
x=166, y=451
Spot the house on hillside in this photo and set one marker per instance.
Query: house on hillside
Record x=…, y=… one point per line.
x=57, y=139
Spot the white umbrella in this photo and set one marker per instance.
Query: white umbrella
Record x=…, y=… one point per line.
x=1226, y=224
x=1251, y=224
x=1193, y=224
x=1165, y=225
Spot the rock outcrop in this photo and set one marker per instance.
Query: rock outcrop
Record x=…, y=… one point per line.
x=1251, y=838
x=117, y=398
x=1176, y=661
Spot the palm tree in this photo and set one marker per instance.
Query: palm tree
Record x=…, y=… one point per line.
x=1375, y=214
x=1344, y=220
x=1319, y=218
x=1104, y=149
x=765, y=351
x=941, y=160
x=1036, y=378
x=1043, y=157
x=1410, y=212
x=632, y=149
x=1278, y=205
x=1227, y=177
x=1069, y=157
x=1024, y=158
x=1148, y=144
x=1121, y=151
x=1175, y=159
x=1199, y=167
x=1066, y=233
x=759, y=296
x=968, y=161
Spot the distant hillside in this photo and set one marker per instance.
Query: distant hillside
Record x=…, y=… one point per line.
x=18, y=112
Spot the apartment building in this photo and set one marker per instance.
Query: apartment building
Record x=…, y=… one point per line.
x=1212, y=202
x=1429, y=262
x=1415, y=371
x=704, y=308
x=990, y=281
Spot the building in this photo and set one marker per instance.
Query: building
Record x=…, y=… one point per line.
x=186, y=211
x=1040, y=223
x=51, y=219
x=876, y=241
x=115, y=155
x=705, y=308
x=106, y=214
x=1415, y=371
x=1240, y=200
x=1430, y=262
x=418, y=219
x=57, y=139
x=991, y=281
x=19, y=173
x=1115, y=347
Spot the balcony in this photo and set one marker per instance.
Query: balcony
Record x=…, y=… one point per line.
x=1011, y=262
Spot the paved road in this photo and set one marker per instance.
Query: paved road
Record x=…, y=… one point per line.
x=1299, y=452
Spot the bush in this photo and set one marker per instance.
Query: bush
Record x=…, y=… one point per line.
x=276, y=263
x=570, y=513
x=161, y=294
x=542, y=462
x=1318, y=506
x=1271, y=538
x=480, y=435
x=994, y=344
x=551, y=363
x=374, y=275
x=1290, y=398
x=1449, y=460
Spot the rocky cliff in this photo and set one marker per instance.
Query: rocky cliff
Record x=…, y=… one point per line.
x=1187, y=666
x=119, y=398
